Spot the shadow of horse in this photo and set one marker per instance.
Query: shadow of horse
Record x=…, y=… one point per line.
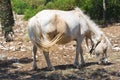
x=44, y=73
x=70, y=66
x=8, y=63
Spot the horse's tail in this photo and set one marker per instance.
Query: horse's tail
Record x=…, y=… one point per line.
x=34, y=31
x=47, y=45
x=37, y=38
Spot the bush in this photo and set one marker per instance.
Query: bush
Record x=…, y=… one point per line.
x=61, y=4
x=56, y=4
x=31, y=12
x=92, y=7
x=19, y=6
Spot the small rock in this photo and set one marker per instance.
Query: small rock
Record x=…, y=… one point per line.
x=19, y=43
x=3, y=57
x=116, y=49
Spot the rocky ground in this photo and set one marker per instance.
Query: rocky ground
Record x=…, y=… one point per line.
x=16, y=59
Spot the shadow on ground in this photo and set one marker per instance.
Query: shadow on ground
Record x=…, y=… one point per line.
x=62, y=72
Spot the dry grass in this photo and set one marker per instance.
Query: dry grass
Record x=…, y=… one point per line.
x=17, y=66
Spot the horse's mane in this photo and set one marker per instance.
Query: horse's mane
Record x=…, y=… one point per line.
x=91, y=24
x=93, y=27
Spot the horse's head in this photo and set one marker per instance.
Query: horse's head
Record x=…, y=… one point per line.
x=100, y=49
x=96, y=41
x=101, y=41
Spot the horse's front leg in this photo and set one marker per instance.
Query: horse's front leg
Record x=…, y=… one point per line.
x=79, y=50
x=99, y=57
x=46, y=54
x=105, y=61
x=81, y=55
x=87, y=46
x=79, y=42
x=34, y=50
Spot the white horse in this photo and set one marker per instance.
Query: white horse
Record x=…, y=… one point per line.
x=49, y=28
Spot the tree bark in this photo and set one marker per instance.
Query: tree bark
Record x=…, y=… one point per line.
x=104, y=13
x=7, y=19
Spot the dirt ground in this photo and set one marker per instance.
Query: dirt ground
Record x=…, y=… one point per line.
x=16, y=59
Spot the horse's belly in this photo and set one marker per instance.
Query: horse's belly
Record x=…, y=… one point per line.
x=65, y=39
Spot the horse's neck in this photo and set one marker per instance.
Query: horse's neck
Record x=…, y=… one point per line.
x=87, y=24
x=97, y=33
x=94, y=29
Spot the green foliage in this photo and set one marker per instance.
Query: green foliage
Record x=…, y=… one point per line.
x=60, y=4
x=31, y=12
x=34, y=3
x=94, y=8
x=113, y=9
x=19, y=6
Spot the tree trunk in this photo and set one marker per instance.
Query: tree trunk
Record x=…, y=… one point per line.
x=6, y=18
x=104, y=13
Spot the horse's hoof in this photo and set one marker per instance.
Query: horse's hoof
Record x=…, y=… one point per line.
x=100, y=62
x=76, y=65
x=51, y=69
x=105, y=61
x=34, y=69
x=81, y=65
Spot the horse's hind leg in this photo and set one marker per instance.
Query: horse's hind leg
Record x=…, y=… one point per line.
x=34, y=50
x=46, y=54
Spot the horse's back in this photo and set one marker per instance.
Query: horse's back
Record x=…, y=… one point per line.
x=68, y=16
